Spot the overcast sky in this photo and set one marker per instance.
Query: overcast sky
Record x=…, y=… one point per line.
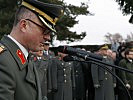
x=107, y=18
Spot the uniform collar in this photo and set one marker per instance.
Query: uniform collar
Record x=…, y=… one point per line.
x=25, y=52
x=105, y=57
x=15, y=51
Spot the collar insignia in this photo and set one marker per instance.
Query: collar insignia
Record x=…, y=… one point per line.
x=21, y=56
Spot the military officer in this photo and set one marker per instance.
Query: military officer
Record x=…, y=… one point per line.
x=126, y=77
x=42, y=60
x=102, y=79
x=48, y=53
x=61, y=78
x=18, y=76
x=41, y=64
x=79, y=81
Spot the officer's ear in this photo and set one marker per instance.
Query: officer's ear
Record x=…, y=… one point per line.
x=23, y=25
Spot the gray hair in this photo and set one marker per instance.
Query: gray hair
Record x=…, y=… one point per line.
x=22, y=13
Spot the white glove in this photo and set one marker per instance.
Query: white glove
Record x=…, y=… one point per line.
x=128, y=86
x=114, y=85
x=96, y=85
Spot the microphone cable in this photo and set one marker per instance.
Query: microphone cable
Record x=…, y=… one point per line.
x=104, y=67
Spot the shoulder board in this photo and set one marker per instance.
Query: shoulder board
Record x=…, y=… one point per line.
x=2, y=48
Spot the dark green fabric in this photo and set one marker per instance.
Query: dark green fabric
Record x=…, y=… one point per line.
x=125, y=76
x=17, y=81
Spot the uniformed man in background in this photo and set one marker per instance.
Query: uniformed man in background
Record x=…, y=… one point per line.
x=18, y=76
x=42, y=60
x=78, y=81
x=61, y=78
x=126, y=77
x=102, y=79
x=41, y=64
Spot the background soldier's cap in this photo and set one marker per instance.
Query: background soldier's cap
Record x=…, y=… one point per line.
x=47, y=13
x=104, y=47
x=130, y=49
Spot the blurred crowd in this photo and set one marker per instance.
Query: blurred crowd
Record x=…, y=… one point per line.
x=80, y=80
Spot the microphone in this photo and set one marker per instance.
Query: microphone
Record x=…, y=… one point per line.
x=78, y=52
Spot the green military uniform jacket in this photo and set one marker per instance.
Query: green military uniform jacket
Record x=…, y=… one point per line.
x=104, y=79
x=61, y=79
x=18, y=77
x=125, y=76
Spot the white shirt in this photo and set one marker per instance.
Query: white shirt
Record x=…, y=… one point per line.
x=25, y=52
x=45, y=52
x=39, y=58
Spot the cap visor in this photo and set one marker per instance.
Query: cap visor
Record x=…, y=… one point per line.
x=46, y=24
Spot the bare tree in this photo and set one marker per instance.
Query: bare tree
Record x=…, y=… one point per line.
x=129, y=37
x=108, y=38
x=111, y=38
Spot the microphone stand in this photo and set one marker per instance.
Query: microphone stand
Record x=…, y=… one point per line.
x=87, y=58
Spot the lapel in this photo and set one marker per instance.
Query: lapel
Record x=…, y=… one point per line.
x=38, y=83
x=30, y=76
x=15, y=52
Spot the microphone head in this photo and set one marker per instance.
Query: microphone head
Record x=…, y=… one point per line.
x=78, y=52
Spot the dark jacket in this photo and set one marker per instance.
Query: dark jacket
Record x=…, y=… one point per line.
x=78, y=80
x=18, y=78
x=42, y=67
x=61, y=80
x=125, y=76
x=105, y=80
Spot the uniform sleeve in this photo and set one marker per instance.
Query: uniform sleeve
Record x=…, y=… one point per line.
x=122, y=74
x=7, y=83
x=73, y=75
x=113, y=70
x=94, y=71
x=53, y=66
x=114, y=78
x=49, y=77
